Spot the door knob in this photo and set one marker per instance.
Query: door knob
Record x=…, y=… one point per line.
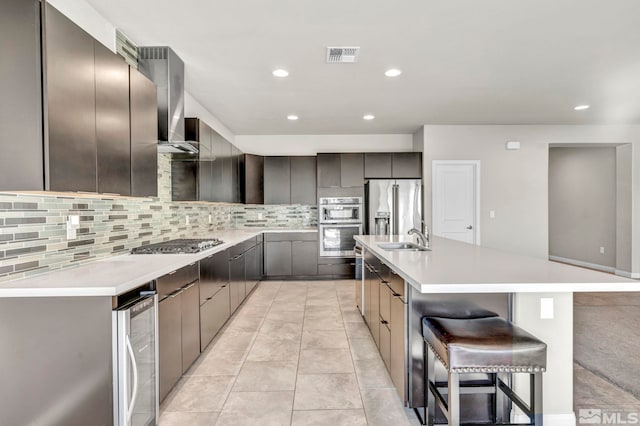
x=469, y=227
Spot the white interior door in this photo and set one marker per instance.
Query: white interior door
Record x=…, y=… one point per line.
x=455, y=200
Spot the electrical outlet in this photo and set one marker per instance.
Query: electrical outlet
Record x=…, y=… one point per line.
x=546, y=308
x=601, y=250
x=210, y=219
x=73, y=223
x=260, y=216
x=186, y=219
x=492, y=214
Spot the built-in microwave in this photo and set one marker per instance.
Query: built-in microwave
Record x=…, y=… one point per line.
x=340, y=210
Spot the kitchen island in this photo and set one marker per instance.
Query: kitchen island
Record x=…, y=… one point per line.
x=515, y=286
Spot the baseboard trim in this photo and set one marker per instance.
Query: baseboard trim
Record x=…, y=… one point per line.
x=635, y=276
x=574, y=262
x=568, y=419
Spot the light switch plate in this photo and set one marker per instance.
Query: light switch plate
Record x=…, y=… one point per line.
x=546, y=308
x=186, y=219
x=492, y=214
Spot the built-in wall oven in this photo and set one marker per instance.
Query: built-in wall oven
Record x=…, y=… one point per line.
x=340, y=220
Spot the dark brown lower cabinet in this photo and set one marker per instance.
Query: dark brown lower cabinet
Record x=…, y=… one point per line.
x=304, y=258
x=190, y=325
x=398, y=367
x=169, y=343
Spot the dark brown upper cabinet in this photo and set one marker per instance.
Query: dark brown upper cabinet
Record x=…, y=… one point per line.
x=340, y=170
x=21, y=162
x=71, y=105
x=143, y=100
x=407, y=165
x=215, y=174
x=112, y=122
x=277, y=180
x=377, y=165
x=253, y=179
x=351, y=170
x=328, y=170
x=94, y=138
x=303, y=180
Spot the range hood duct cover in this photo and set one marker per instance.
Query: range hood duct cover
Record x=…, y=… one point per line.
x=166, y=70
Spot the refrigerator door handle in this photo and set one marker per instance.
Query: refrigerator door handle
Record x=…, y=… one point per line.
x=134, y=367
x=417, y=217
x=394, y=209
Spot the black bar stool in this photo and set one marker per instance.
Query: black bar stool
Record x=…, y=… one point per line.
x=455, y=309
x=481, y=345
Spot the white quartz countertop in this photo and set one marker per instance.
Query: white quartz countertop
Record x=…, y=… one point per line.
x=119, y=274
x=456, y=267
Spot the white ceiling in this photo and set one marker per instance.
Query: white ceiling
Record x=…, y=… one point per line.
x=463, y=61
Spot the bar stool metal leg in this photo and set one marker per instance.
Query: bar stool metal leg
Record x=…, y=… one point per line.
x=430, y=397
x=453, y=399
x=536, y=399
x=501, y=409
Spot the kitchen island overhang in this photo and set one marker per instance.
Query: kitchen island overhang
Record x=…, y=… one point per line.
x=510, y=284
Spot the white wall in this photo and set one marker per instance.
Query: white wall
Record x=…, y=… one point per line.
x=87, y=18
x=193, y=108
x=582, y=204
x=312, y=144
x=515, y=183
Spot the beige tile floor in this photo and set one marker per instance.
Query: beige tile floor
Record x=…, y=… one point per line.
x=295, y=353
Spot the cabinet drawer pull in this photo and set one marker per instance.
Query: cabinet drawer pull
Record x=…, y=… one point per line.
x=176, y=293
x=384, y=322
x=172, y=272
x=190, y=285
x=191, y=264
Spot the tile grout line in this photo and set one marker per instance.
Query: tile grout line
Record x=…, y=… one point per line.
x=295, y=385
x=246, y=355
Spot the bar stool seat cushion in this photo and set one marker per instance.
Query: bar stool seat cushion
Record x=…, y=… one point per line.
x=488, y=345
x=455, y=309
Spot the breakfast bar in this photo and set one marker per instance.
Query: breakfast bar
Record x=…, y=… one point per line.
x=533, y=293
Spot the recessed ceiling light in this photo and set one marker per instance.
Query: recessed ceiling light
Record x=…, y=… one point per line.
x=280, y=73
x=581, y=107
x=292, y=117
x=393, y=72
x=369, y=117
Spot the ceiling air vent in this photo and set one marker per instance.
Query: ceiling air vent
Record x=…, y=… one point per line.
x=342, y=55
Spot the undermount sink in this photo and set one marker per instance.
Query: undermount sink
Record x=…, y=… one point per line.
x=403, y=247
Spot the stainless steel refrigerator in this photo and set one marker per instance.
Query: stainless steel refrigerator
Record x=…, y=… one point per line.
x=394, y=206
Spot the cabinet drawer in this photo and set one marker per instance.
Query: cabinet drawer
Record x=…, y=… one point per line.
x=169, y=283
x=385, y=344
x=291, y=236
x=214, y=274
x=213, y=314
x=340, y=269
x=385, y=302
x=396, y=282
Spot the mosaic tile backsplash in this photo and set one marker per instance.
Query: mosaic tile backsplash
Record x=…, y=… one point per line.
x=33, y=238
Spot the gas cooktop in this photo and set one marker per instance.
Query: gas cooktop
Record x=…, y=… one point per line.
x=178, y=246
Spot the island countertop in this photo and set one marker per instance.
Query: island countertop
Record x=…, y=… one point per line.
x=118, y=274
x=457, y=267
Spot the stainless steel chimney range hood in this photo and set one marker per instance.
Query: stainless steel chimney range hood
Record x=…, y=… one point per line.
x=166, y=70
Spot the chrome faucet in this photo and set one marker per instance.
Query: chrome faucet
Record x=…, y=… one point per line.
x=423, y=239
